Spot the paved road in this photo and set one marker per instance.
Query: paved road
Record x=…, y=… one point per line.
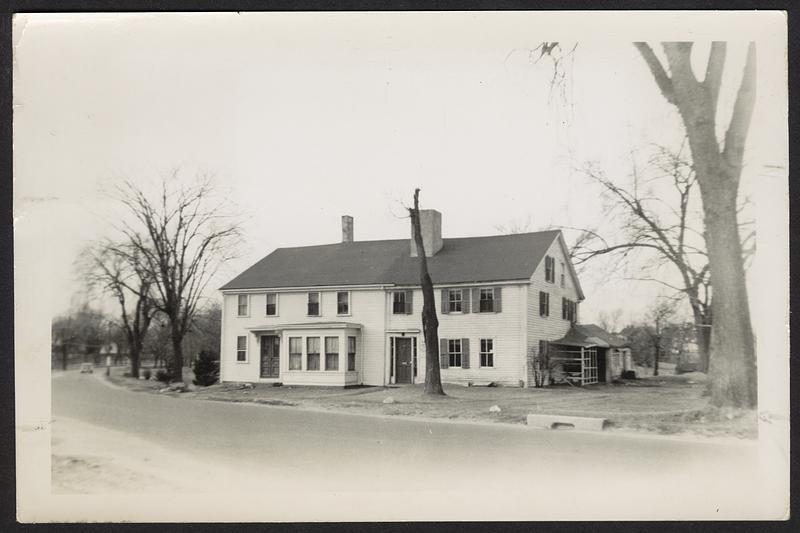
x=291, y=449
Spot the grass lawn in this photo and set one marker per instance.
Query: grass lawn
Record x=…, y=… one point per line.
x=664, y=404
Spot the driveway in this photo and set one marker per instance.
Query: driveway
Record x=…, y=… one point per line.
x=266, y=448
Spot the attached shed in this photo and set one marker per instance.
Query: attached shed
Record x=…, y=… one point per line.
x=588, y=354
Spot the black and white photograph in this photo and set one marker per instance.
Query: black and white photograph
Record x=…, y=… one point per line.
x=401, y=266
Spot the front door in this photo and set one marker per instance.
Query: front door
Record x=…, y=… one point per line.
x=402, y=360
x=270, y=356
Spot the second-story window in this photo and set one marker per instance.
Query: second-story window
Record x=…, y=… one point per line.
x=313, y=304
x=544, y=303
x=243, y=301
x=455, y=300
x=486, y=301
x=402, y=302
x=563, y=273
x=343, y=303
x=272, y=304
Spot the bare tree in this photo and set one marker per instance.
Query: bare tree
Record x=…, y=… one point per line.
x=662, y=224
x=180, y=238
x=718, y=165
x=658, y=318
x=118, y=270
x=430, y=322
x=609, y=320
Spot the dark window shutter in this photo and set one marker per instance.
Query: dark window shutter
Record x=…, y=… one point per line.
x=542, y=348
x=443, y=358
x=498, y=300
x=465, y=300
x=445, y=301
x=464, y=353
x=409, y=302
x=564, y=312
x=476, y=300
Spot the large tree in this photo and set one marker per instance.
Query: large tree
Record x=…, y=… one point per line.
x=655, y=215
x=430, y=322
x=718, y=165
x=180, y=236
x=118, y=270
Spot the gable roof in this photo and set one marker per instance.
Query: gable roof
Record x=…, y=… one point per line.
x=388, y=262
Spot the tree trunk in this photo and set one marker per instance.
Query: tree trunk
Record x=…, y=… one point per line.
x=702, y=333
x=430, y=322
x=656, y=357
x=732, y=367
x=135, y=352
x=175, y=367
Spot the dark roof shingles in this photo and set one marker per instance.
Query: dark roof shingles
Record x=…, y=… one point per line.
x=461, y=260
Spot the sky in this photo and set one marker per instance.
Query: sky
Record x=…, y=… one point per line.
x=302, y=118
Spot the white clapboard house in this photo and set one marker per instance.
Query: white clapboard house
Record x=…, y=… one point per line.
x=350, y=313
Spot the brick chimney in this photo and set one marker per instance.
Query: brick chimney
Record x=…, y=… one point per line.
x=430, y=221
x=347, y=228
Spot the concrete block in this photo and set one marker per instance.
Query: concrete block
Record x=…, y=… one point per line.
x=562, y=421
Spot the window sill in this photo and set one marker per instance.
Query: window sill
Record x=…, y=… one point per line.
x=348, y=314
x=242, y=362
x=242, y=316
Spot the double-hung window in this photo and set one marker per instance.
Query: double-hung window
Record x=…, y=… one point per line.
x=331, y=353
x=295, y=353
x=313, y=304
x=454, y=352
x=242, y=304
x=487, y=352
x=563, y=273
x=455, y=300
x=351, y=354
x=402, y=302
x=272, y=304
x=544, y=303
x=343, y=303
x=241, y=349
x=568, y=309
x=486, y=304
x=312, y=353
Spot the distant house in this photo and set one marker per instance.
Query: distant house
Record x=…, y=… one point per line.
x=350, y=313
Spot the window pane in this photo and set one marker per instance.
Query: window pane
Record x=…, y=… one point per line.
x=351, y=345
x=331, y=344
x=295, y=344
x=241, y=343
x=331, y=361
x=313, y=362
x=295, y=361
x=313, y=297
x=312, y=344
x=351, y=362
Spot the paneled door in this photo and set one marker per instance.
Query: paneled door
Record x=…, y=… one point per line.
x=270, y=356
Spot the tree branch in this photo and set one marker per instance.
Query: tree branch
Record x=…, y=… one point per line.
x=657, y=70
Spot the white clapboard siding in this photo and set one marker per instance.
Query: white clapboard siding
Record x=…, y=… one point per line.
x=552, y=327
x=366, y=308
x=506, y=328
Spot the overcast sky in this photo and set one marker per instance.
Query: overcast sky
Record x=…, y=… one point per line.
x=305, y=117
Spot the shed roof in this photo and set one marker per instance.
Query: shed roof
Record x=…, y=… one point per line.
x=388, y=262
x=591, y=335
